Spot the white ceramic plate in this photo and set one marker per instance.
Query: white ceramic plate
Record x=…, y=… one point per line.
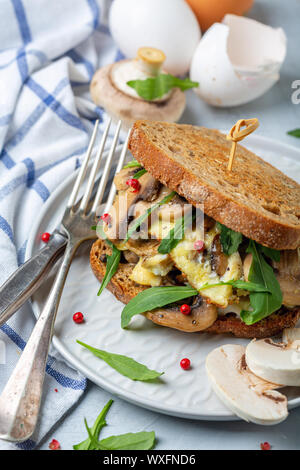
x=180, y=393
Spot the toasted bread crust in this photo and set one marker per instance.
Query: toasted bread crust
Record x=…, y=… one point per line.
x=124, y=289
x=254, y=198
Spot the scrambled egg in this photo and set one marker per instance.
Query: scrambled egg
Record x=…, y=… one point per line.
x=196, y=266
x=144, y=276
x=149, y=270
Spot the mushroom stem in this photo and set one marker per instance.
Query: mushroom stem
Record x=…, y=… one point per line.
x=150, y=60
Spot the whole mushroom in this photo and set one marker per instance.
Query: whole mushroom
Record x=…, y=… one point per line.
x=109, y=90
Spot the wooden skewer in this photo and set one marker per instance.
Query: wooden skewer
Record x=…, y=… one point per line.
x=236, y=135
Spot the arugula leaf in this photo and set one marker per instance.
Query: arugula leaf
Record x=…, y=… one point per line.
x=294, y=133
x=239, y=284
x=132, y=164
x=139, y=174
x=270, y=253
x=130, y=441
x=262, y=303
x=94, y=442
x=154, y=297
x=89, y=443
x=175, y=235
x=112, y=263
x=137, y=222
x=230, y=240
x=124, y=365
x=156, y=87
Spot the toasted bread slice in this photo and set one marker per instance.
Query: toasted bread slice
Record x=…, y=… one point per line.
x=124, y=289
x=254, y=198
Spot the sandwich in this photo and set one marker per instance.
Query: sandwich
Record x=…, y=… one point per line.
x=196, y=247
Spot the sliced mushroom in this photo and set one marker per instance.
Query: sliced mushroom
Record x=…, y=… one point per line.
x=289, y=263
x=131, y=257
x=124, y=204
x=143, y=247
x=247, y=265
x=199, y=319
x=123, y=176
x=151, y=190
x=248, y=396
x=173, y=210
x=291, y=337
x=288, y=275
x=209, y=223
x=218, y=259
x=275, y=362
x=290, y=288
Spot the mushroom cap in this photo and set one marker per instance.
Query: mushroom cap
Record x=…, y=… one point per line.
x=199, y=319
x=129, y=109
x=275, y=362
x=248, y=396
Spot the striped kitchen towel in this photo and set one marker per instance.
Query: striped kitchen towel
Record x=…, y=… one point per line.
x=49, y=52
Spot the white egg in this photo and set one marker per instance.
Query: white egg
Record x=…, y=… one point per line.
x=237, y=61
x=169, y=25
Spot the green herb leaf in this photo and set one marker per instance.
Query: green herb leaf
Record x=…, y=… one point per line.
x=156, y=87
x=131, y=441
x=249, y=286
x=89, y=443
x=270, y=253
x=154, y=297
x=262, y=303
x=133, y=163
x=137, y=222
x=176, y=234
x=112, y=263
x=230, y=240
x=124, y=365
x=94, y=442
x=295, y=133
x=139, y=174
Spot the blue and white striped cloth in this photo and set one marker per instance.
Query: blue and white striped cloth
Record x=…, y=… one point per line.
x=49, y=52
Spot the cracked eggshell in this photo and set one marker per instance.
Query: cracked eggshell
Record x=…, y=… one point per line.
x=237, y=61
x=248, y=396
x=169, y=25
x=275, y=362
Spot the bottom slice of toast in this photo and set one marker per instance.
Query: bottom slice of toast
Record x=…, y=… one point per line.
x=124, y=289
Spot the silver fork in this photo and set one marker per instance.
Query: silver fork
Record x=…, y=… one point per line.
x=20, y=399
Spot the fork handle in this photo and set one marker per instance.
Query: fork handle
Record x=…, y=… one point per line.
x=28, y=277
x=21, y=397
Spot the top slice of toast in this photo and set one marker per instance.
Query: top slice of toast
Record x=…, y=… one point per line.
x=254, y=198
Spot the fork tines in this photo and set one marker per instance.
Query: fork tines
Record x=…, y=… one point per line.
x=94, y=171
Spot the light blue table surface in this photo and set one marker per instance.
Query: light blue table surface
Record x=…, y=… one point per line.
x=277, y=114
